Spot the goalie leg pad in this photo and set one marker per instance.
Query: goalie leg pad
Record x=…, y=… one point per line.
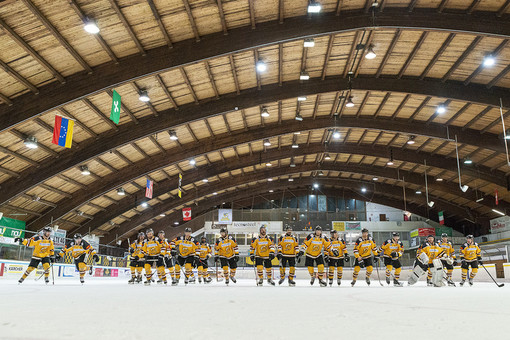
x=437, y=273
x=417, y=272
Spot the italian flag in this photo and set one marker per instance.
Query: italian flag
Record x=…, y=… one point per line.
x=441, y=217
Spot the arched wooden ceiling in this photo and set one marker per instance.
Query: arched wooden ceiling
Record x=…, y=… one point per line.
x=197, y=61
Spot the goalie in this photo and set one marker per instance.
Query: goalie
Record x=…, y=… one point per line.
x=428, y=260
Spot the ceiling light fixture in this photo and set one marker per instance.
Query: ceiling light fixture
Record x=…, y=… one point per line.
x=314, y=7
x=90, y=26
x=271, y=190
x=411, y=140
x=144, y=204
x=301, y=98
x=309, y=42
x=192, y=161
x=418, y=192
x=349, y=102
x=363, y=190
x=441, y=109
x=267, y=142
x=468, y=161
x=292, y=164
x=291, y=179
x=176, y=223
x=173, y=135
x=304, y=75
x=264, y=112
x=31, y=142
x=121, y=192
x=269, y=179
x=268, y=164
x=316, y=185
x=375, y=179
x=327, y=156
x=489, y=61
x=321, y=173
x=295, y=145
x=144, y=96
x=261, y=66
x=298, y=117
x=336, y=134
x=498, y=212
x=205, y=180
x=439, y=179
x=370, y=54
x=162, y=215
x=84, y=170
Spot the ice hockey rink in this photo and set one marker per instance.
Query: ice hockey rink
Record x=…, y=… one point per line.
x=112, y=309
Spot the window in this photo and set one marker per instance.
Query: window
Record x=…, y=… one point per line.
x=331, y=204
x=312, y=202
x=302, y=204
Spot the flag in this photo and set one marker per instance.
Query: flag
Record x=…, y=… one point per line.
x=179, y=187
x=186, y=214
x=496, y=196
x=63, y=131
x=441, y=217
x=148, y=189
x=115, y=113
x=407, y=215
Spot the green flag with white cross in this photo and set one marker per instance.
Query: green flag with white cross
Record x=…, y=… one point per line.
x=115, y=113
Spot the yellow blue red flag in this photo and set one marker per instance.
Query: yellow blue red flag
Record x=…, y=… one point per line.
x=63, y=131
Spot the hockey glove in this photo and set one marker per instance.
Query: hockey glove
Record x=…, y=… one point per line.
x=216, y=259
x=455, y=263
x=326, y=259
x=173, y=252
x=131, y=250
x=480, y=260
x=346, y=258
x=279, y=256
x=236, y=258
x=271, y=256
x=18, y=240
x=135, y=258
x=95, y=258
x=301, y=253
x=52, y=259
x=394, y=255
x=463, y=263
x=376, y=259
x=335, y=252
x=252, y=258
x=361, y=262
x=58, y=257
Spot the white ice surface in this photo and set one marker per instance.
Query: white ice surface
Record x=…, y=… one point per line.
x=112, y=309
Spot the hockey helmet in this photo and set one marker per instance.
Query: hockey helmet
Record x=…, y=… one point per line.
x=161, y=232
x=395, y=234
x=364, y=230
x=288, y=227
x=470, y=237
x=262, y=227
x=443, y=235
x=223, y=230
x=77, y=236
x=149, y=231
x=431, y=235
x=187, y=230
x=47, y=229
x=141, y=234
x=203, y=239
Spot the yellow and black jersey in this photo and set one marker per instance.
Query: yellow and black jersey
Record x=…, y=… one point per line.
x=151, y=247
x=470, y=252
x=288, y=245
x=339, y=246
x=136, y=249
x=365, y=248
x=313, y=245
x=203, y=251
x=432, y=250
x=392, y=246
x=448, y=249
x=187, y=246
x=43, y=247
x=77, y=250
x=262, y=246
x=226, y=247
x=165, y=246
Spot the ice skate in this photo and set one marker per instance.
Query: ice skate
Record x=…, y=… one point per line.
x=147, y=283
x=186, y=280
x=451, y=283
x=323, y=283
x=353, y=283
x=388, y=280
x=208, y=280
x=132, y=281
x=292, y=283
x=226, y=281
x=233, y=279
x=47, y=280
x=260, y=282
x=90, y=270
x=139, y=279
x=20, y=281
x=159, y=282
x=192, y=279
x=271, y=282
x=312, y=280
x=330, y=282
x=281, y=281
x=396, y=283
x=429, y=283
x=470, y=281
x=339, y=282
x=462, y=282
x=82, y=280
x=367, y=280
x=199, y=279
x=174, y=281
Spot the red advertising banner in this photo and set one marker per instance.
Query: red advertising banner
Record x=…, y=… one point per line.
x=426, y=231
x=1, y=269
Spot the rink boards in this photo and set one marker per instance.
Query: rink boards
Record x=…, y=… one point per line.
x=14, y=269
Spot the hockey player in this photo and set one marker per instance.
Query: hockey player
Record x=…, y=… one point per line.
x=337, y=261
x=204, y=253
x=392, y=251
x=313, y=246
x=168, y=261
x=227, y=252
x=363, y=250
x=428, y=259
x=262, y=253
x=288, y=248
x=187, y=246
x=153, y=257
x=137, y=258
x=470, y=255
x=449, y=261
x=44, y=252
x=79, y=248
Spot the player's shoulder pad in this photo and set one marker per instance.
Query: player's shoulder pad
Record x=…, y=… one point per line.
x=326, y=238
x=253, y=239
x=230, y=237
x=85, y=244
x=476, y=244
x=386, y=242
x=342, y=240
x=70, y=243
x=309, y=236
x=359, y=240
x=400, y=243
x=36, y=238
x=280, y=238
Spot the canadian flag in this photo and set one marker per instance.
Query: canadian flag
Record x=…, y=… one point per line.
x=186, y=214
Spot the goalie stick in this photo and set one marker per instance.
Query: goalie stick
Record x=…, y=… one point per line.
x=497, y=284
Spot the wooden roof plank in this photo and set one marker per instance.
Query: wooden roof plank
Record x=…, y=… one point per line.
x=127, y=26
x=461, y=59
x=162, y=28
x=222, y=16
x=188, y=83
x=479, y=69
x=438, y=54
x=412, y=54
x=191, y=20
x=9, y=70
x=167, y=92
x=100, y=114
x=78, y=122
x=387, y=55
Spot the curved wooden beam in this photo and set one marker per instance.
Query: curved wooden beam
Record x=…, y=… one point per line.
x=240, y=39
x=148, y=165
x=171, y=119
x=234, y=182
x=196, y=175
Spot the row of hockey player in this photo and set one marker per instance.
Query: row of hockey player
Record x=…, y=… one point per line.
x=433, y=257
x=44, y=252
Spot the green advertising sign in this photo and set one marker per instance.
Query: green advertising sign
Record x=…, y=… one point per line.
x=447, y=230
x=10, y=227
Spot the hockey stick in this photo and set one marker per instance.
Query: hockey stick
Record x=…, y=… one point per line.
x=44, y=272
x=255, y=271
x=377, y=269
x=497, y=284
